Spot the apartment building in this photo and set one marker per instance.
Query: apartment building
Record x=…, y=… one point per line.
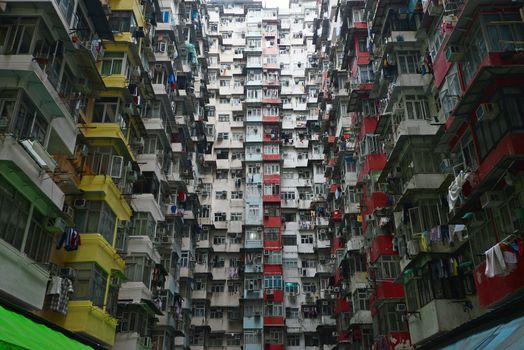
x=262, y=255
x=421, y=193
x=103, y=125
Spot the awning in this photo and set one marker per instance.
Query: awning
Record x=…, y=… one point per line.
x=506, y=336
x=18, y=332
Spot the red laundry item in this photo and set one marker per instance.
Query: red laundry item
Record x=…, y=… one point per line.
x=182, y=196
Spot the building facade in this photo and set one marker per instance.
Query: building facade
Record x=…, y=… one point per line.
x=409, y=101
x=102, y=128
x=179, y=174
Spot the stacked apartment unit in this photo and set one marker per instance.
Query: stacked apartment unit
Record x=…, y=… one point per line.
x=103, y=125
x=422, y=118
x=263, y=253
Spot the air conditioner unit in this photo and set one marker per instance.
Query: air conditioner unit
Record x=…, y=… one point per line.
x=400, y=308
x=69, y=210
x=58, y=225
x=487, y=111
x=454, y=53
x=491, y=199
x=39, y=154
x=79, y=203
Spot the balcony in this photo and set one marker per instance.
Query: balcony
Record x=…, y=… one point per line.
x=19, y=166
x=103, y=187
x=342, y=305
x=95, y=248
x=388, y=289
x=253, y=294
x=274, y=321
x=108, y=134
x=491, y=291
x=84, y=317
x=437, y=317
x=381, y=245
x=22, y=278
x=253, y=322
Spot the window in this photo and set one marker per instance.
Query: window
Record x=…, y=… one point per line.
x=387, y=267
x=113, y=63
x=144, y=224
x=218, y=261
x=291, y=287
x=238, y=136
x=219, y=240
x=17, y=40
x=223, y=136
x=307, y=239
x=233, y=339
x=253, y=284
x=271, y=168
x=237, y=195
x=292, y=312
x=223, y=117
x=271, y=234
x=221, y=216
x=271, y=149
x=273, y=309
x=360, y=300
x=309, y=287
x=217, y=288
x=287, y=196
x=289, y=240
x=138, y=269
x=416, y=107
x=292, y=340
x=216, y=339
x=199, y=310
x=311, y=339
x=236, y=217
x=30, y=123
x=221, y=195
x=14, y=215
x=275, y=336
x=123, y=21
x=408, y=62
x=273, y=257
x=90, y=283
x=97, y=217
x=252, y=337
x=274, y=281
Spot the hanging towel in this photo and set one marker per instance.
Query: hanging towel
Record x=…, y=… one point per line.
x=495, y=264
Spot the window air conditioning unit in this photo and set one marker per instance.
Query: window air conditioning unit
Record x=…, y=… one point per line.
x=491, y=199
x=79, y=203
x=400, y=308
x=39, y=154
x=487, y=111
x=454, y=53
x=58, y=225
x=69, y=211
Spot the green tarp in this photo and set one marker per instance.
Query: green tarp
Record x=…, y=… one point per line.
x=17, y=332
